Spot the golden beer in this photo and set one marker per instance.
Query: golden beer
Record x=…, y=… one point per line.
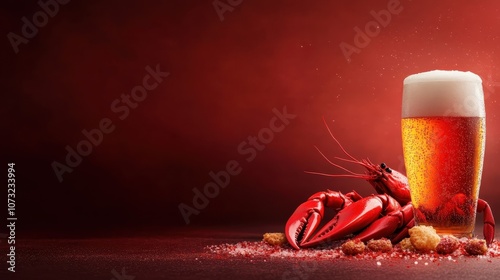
x=443, y=129
x=444, y=158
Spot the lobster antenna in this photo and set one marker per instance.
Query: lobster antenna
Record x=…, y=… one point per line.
x=363, y=163
x=334, y=164
x=338, y=143
x=366, y=177
x=368, y=161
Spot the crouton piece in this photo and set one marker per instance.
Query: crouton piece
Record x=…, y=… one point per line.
x=476, y=247
x=353, y=247
x=275, y=238
x=424, y=238
x=447, y=245
x=380, y=245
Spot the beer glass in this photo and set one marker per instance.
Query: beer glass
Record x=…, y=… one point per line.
x=443, y=129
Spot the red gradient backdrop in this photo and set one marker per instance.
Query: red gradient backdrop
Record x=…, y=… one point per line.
x=225, y=79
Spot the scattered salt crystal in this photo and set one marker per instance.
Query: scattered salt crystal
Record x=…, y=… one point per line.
x=426, y=263
x=379, y=263
x=263, y=250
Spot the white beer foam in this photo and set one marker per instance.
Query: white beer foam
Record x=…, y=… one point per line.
x=440, y=93
x=442, y=75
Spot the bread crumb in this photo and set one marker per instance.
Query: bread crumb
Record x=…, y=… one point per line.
x=447, y=245
x=353, y=247
x=476, y=247
x=275, y=238
x=424, y=238
x=405, y=244
x=380, y=245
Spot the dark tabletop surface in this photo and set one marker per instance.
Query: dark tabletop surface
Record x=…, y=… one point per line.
x=181, y=254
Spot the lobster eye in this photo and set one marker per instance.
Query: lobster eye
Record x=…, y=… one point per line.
x=383, y=166
x=388, y=170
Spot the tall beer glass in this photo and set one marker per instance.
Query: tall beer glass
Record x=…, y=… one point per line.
x=443, y=127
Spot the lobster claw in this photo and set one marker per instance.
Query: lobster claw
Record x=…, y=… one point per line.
x=303, y=222
x=349, y=220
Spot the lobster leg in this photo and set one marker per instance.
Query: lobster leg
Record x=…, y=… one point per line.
x=306, y=218
x=488, y=220
x=403, y=233
x=388, y=224
x=349, y=220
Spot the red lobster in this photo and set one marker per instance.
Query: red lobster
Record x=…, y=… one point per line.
x=388, y=214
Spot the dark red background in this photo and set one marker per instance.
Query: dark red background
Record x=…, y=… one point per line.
x=225, y=79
